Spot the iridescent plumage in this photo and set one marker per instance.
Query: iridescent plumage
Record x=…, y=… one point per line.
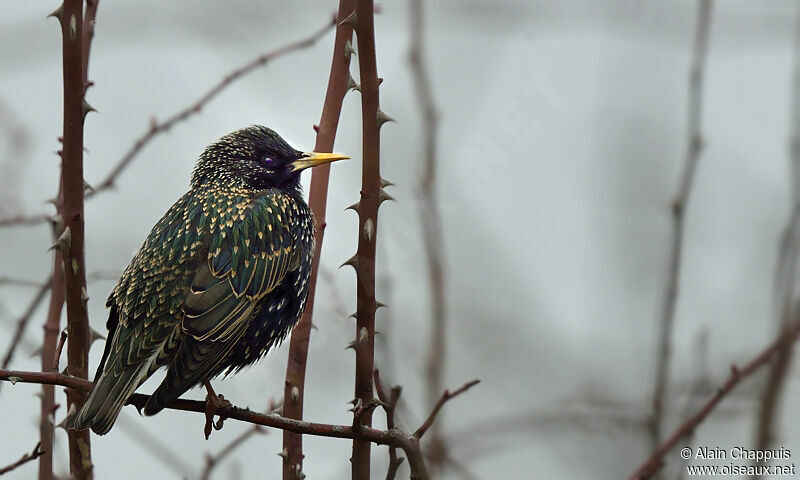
x=221, y=278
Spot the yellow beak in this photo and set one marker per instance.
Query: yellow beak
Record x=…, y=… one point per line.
x=312, y=159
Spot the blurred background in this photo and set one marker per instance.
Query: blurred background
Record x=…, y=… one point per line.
x=562, y=140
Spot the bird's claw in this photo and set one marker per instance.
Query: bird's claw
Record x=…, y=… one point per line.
x=214, y=403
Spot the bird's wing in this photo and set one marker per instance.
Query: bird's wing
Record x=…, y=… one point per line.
x=249, y=255
x=251, y=251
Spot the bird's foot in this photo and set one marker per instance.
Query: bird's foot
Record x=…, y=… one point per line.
x=214, y=403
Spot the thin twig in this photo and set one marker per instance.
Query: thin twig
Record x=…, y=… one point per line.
x=196, y=107
x=655, y=461
x=57, y=355
x=19, y=282
x=213, y=461
x=36, y=453
x=25, y=220
x=446, y=396
x=318, y=197
x=22, y=323
x=431, y=224
x=679, y=206
x=157, y=128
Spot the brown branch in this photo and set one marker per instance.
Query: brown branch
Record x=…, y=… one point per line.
x=679, y=205
x=393, y=437
x=24, y=220
x=51, y=352
x=36, y=453
x=655, y=461
x=19, y=282
x=446, y=396
x=372, y=195
x=294, y=389
x=70, y=16
x=22, y=323
x=431, y=223
x=196, y=107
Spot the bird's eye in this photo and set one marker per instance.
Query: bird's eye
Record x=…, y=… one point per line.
x=268, y=161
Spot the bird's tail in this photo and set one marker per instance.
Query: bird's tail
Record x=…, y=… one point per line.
x=104, y=403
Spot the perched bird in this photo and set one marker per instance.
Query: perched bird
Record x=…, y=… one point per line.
x=221, y=278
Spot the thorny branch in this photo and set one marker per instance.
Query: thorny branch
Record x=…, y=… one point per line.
x=389, y=402
x=36, y=453
x=655, y=461
x=372, y=194
x=339, y=82
x=392, y=437
x=679, y=205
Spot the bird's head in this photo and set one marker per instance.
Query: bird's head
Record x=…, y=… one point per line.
x=257, y=158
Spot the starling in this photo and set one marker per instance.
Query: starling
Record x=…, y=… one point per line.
x=221, y=278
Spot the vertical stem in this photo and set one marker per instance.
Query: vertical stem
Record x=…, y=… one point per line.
x=71, y=18
x=52, y=327
x=364, y=261
x=318, y=197
x=693, y=150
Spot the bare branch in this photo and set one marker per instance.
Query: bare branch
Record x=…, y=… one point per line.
x=25, y=220
x=655, y=461
x=446, y=396
x=36, y=453
x=679, y=205
x=196, y=107
x=389, y=403
x=22, y=323
x=213, y=461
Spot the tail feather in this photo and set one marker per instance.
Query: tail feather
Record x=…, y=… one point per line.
x=106, y=400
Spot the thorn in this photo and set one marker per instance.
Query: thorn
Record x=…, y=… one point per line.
x=383, y=196
x=86, y=108
x=295, y=394
x=380, y=81
x=87, y=187
x=84, y=296
x=350, y=20
x=353, y=316
x=350, y=345
x=348, y=50
x=382, y=118
x=386, y=183
x=284, y=454
x=75, y=267
x=64, y=242
x=352, y=85
x=363, y=334
x=352, y=261
x=354, y=207
x=356, y=406
x=95, y=335
x=57, y=13
x=316, y=128
x=379, y=305
x=352, y=402
x=298, y=472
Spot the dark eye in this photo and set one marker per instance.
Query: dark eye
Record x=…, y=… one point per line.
x=268, y=161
